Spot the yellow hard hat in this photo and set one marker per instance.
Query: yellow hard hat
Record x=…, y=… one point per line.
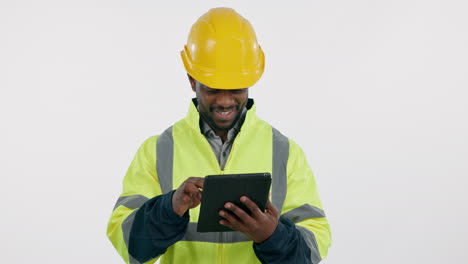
x=222, y=51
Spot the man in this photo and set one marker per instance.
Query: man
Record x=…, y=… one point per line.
x=220, y=135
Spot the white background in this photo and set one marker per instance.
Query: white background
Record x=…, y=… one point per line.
x=373, y=91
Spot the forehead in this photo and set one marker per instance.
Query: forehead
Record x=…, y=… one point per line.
x=206, y=88
x=202, y=86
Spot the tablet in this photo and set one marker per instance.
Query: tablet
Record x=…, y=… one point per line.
x=219, y=189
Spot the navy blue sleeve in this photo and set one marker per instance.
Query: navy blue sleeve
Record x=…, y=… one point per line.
x=286, y=245
x=155, y=228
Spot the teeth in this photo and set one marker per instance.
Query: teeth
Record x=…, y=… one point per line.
x=225, y=113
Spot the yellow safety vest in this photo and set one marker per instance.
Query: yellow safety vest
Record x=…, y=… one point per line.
x=163, y=162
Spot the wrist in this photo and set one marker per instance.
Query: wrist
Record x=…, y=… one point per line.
x=176, y=209
x=172, y=214
x=268, y=234
x=271, y=241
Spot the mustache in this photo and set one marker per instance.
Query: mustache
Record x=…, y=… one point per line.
x=221, y=108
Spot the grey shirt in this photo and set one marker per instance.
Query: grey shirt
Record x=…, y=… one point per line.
x=220, y=149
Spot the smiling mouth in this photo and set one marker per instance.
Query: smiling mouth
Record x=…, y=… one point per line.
x=224, y=114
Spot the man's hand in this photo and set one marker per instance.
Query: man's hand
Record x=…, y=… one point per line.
x=259, y=226
x=188, y=195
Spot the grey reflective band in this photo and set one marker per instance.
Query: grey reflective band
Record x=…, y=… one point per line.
x=132, y=260
x=305, y=211
x=214, y=237
x=311, y=243
x=131, y=201
x=126, y=228
x=165, y=159
x=280, y=162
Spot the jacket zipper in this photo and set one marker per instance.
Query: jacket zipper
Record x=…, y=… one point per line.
x=236, y=139
x=221, y=249
x=221, y=244
x=222, y=171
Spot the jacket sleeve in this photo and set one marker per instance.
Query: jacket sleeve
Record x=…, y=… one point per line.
x=142, y=203
x=155, y=228
x=303, y=234
x=286, y=245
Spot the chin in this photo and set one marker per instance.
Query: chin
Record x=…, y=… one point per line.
x=224, y=126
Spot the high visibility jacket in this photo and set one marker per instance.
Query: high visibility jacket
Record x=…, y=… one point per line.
x=163, y=162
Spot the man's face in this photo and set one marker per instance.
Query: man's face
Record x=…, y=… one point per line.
x=219, y=108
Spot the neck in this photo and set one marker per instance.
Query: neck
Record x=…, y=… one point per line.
x=222, y=134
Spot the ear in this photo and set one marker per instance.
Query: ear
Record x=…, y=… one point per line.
x=192, y=82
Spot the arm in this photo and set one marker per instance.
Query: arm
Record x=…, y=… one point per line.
x=141, y=229
x=286, y=245
x=155, y=228
x=302, y=235
x=162, y=221
x=140, y=184
x=303, y=207
x=274, y=242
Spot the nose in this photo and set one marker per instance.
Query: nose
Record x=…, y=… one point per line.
x=225, y=99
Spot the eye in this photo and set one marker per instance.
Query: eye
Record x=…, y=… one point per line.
x=237, y=91
x=211, y=91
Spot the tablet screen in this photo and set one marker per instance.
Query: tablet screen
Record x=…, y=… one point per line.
x=219, y=189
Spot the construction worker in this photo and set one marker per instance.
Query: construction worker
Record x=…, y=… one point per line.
x=156, y=214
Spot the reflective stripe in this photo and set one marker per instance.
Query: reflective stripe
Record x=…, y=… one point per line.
x=126, y=228
x=214, y=237
x=298, y=214
x=165, y=159
x=304, y=212
x=280, y=162
x=131, y=201
x=132, y=260
x=311, y=243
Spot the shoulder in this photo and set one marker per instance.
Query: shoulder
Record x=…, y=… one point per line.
x=148, y=147
x=294, y=149
x=284, y=141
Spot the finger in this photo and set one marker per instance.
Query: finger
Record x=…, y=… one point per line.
x=195, y=195
x=189, y=195
x=241, y=214
x=197, y=181
x=230, y=220
x=226, y=223
x=253, y=207
x=191, y=189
